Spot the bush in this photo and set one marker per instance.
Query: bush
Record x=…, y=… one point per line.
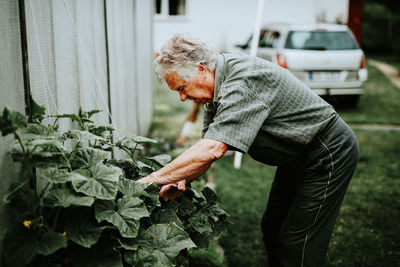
x=90, y=209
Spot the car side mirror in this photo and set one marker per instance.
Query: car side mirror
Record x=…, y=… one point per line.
x=242, y=46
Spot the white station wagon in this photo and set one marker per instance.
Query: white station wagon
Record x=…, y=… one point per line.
x=326, y=57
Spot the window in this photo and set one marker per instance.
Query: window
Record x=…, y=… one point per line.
x=270, y=39
x=320, y=40
x=169, y=8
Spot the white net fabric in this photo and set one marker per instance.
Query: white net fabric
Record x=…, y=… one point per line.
x=67, y=56
x=68, y=66
x=11, y=92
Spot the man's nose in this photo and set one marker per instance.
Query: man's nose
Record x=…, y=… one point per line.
x=182, y=96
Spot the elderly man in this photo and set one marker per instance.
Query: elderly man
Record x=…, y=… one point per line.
x=256, y=107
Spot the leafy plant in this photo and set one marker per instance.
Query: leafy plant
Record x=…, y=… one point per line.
x=89, y=209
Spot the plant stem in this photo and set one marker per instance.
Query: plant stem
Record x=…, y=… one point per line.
x=129, y=153
x=20, y=143
x=54, y=123
x=56, y=218
x=65, y=157
x=44, y=190
x=15, y=190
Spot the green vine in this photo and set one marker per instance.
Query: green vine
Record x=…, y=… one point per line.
x=90, y=207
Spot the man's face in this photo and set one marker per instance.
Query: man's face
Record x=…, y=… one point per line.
x=199, y=89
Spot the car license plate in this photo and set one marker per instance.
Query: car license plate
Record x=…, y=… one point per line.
x=319, y=76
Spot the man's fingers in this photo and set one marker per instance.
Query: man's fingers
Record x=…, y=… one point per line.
x=165, y=188
x=175, y=194
x=182, y=185
x=170, y=194
x=143, y=180
x=172, y=191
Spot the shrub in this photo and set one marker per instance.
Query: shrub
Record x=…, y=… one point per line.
x=89, y=209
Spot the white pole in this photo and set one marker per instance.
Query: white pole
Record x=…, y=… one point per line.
x=257, y=27
x=253, y=52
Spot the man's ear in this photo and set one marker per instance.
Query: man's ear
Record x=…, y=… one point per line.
x=202, y=67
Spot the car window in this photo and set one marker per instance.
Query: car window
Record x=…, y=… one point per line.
x=270, y=39
x=320, y=40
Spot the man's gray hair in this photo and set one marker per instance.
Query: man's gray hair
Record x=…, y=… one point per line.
x=183, y=55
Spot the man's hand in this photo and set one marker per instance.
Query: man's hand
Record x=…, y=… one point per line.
x=186, y=167
x=172, y=191
x=168, y=191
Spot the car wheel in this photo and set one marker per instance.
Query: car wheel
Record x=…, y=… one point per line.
x=351, y=100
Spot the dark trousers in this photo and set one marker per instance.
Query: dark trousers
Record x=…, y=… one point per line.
x=306, y=196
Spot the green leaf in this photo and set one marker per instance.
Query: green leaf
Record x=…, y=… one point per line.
x=210, y=195
x=58, y=176
x=142, y=140
x=40, y=156
x=38, y=131
x=101, y=254
x=128, y=243
x=83, y=136
x=144, y=258
x=130, y=187
x=159, y=245
x=130, y=168
x=11, y=121
x=160, y=160
x=72, y=116
x=201, y=240
x=92, y=112
x=144, y=169
x=87, y=157
x=166, y=216
x=66, y=198
x=129, y=143
x=38, y=111
x=219, y=227
x=214, y=210
x=49, y=143
x=50, y=242
x=100, y=130
x=24, y=243
x=125, y=215
x=186, y=206
x=199, y=222
x=152, y=200
x=170, y=204
x=99, y=181
x=82, y=228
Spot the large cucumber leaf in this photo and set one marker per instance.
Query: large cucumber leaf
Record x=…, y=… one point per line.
x=102, y=254
x=99, y=181
x=125, y=215
x=65, y=198
x=22, y=244
x=58, y=176
x=159, y=245
x=82, y=228
x=87, y=157
x=160, y=160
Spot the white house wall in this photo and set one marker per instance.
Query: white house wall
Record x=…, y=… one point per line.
x=223, y=23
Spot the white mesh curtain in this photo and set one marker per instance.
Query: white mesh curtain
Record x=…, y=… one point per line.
x=129, y=26
x=67, y=56
x=92, y=57
x=70, y=65
x=143, y=27
x=68, y=59
x=11, y=91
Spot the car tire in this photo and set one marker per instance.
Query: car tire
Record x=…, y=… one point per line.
x=351, y=100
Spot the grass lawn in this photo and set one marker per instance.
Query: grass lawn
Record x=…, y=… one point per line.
x=380, y=104
x=395, y=62
x=367, y=232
